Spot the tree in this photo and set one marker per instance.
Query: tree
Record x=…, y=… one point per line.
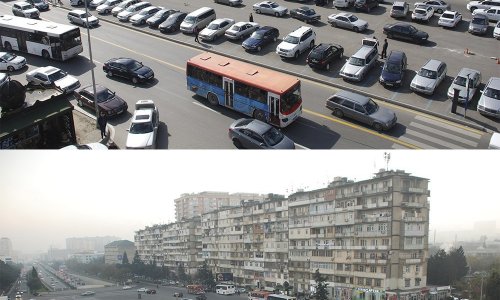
x=8, y=274
x=321, y=291
x=137, y=258
x=125, y=258
x=33, y=281
x=205, y=275
x=492, y=290
x=457, y=265
x=286, y=287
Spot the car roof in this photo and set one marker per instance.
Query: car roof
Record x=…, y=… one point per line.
x=266, y=2
x=265, y=28
x=464, y=71
x=218, y=21
x=22, y=3
x=480, y=16
x=360, y=99
x=258, y=126
x=121, y=60
x=142, y=116
x=77, y=11
x=322, y=47
x=395, y=56
x=47, y=70
x=432, y=64
x=98, y=88
x=494, y=82
x=344, y=14
x=363, y=51
x=300, y=31
x=399, y=3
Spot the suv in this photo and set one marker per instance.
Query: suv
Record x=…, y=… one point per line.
x=489, y=103
x=323, y=55
x=400, y=9
x=429, y=77
x=24, y=9
x=360, y=63
x=296, y=42
x=366, y=5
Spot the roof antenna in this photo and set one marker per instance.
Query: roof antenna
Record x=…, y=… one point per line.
x=387, y=157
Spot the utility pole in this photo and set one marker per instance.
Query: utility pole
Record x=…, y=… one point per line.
x=91, y=63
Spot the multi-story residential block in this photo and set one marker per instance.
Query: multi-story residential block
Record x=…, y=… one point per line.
x=114, y=252
x=149, y=243
x=5, y=247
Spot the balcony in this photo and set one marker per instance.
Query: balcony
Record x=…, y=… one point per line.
x=413, y=219
x=412, y=204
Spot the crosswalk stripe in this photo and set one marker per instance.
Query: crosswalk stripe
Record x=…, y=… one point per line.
x=449, y=127
x=444, y=134
x=416, y=143
x=433, y=139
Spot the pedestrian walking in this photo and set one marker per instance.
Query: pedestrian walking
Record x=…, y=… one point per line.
x=196, y=33
x=250, y=18
x=384, y=49
x=102, y=120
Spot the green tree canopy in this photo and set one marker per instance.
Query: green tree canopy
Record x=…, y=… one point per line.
x=493, y=286
x=125, y=258
x=321, y=291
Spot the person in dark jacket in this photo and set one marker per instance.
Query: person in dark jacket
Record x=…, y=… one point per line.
x=384, y=49
x=196, y=33
x=102, y=120
x=250, y=18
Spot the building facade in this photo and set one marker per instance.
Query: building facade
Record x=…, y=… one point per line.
x=114, y=252
x=5, y=247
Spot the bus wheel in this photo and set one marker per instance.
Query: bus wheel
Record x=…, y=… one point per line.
x=45, y=54
x=8, y=46
x=212, y=99
x=259, y=115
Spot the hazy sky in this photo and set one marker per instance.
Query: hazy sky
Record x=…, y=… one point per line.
x=48, y=196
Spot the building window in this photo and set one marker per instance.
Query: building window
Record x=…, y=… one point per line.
x=384, y=269
x=378, y=282
x=368, y=281
x=361, y=281
x=417, y=269
x=385, y=242
x=373, y=269
x=407, y=282
x=417, y=281
x=407, y=269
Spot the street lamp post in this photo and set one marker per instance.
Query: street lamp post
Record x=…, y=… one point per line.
x=91, y=63
x=467, y=97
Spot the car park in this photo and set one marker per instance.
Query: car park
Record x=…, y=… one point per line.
x=146, y=13
x=428, y=78
x=496, y=31
x=215, y=29
x=52, y=76
x=460, y=84
x=362, y=109
x=473, y=5
x=450, y=19
x=438, y=5
x=229, y=2
x=489, y=102
x=323, y=55
x=270, y=8
x=296, y=43
x=240, y=30
x=160, y=17
x=348, y=21
x=255, y=134
x=122, y=6
x=41, y=5
x=172, y=23
x=95, y=3
x=394, y=69
x=132, y=10
x=108, y=6
x=197, y=19
x=422, y=13
x=493, y=13
x=11, y=62
x=400, y=9
x=358, y=65
x=80, y=17
x=260, y=38
x=478, y=24
x=305, y=14
x=24, y=9
x=107, y=100
x=366, y=5
x=405, y=31
x=128, y=68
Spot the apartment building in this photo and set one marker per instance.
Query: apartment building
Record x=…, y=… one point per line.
x=149, y=243
x=114, y=252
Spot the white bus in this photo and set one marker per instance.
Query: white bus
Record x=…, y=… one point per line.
x=280, y=297
x=37, y=37
x=225, y=289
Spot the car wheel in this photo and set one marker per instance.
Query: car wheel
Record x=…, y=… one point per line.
x=8, y=46
x=237, y=144
x=338, y=113
x=472, y=9
x=439, y=11
x=259, y=115
x=277, y=14
x=79, y=102
x=377, y=126
x=212, y=99
x=110, y=73
x=45, y=54
x=296, y=56
x=257, y=11
x=135, y=80
x=259, y=48
x=334, y=24
x=356, y=29
x=107, y=11
x=10, y=69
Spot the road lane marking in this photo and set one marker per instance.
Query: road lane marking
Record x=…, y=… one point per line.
x=450, y=127
x=443, y=133
x=431, y=139
x=207, y=108
x=417, y=143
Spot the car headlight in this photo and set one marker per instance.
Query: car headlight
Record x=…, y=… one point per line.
x=398, y=81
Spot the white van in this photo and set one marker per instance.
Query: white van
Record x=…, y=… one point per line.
x=198, y=19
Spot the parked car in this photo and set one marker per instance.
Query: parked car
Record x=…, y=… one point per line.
x=122, y=6
x=95, y=3
x=438, y=5
x=126, y=287
x=479, y=24
x=89, y=146
x=473, y=5
x=305, y=14
x=80, y=17
x=87, y=293
x=108, y=6
x=348, y=21
x=323, y=55
x=52, y=76
x=107, y=100
x=229, y=2
x=24, y=9
x=260, y=38
x=343, y=3
x=216, y=29
x=255, y=134
x=489, y=102
x=394, y=69
x=128, y=68
x=151, y=291
x=41, y=5
x=460, y=83
x=496, y=31
x=11, y=62
x=450, y=19
x=366, y=5
x=177, y=294
x=400, y=9
x=296, y=43
x=131, y=10
x=160, y=17
x=241, y=29
x=143, y=130
x=142, y=290
x=422, y=13
x=358, y=65
x=493, y=13
x=361, y=109
x=201, y=297
x=406, y=32
x=428, y=78
x=270, y=8
x=173, y=22
x=146, y=13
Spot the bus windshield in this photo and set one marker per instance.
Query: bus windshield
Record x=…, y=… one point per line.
x=290, y=99
x=70, y=39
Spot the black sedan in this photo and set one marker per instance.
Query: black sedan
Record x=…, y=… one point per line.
x=305, y=14
x=173, y=22
x=107, y=100
x=322, y=55
x=405, y=31
x=160, y=17
x=255, y=134
x=128, y=68
x=260, y=38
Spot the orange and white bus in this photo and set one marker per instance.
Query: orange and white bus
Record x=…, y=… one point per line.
x=195, y=289
x=258, y=295
x=261, y=93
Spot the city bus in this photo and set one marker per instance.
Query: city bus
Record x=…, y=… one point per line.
x=280, y=297
x=42, y=38
x=225, y=289
x=258, y=295
x=195, y=289
x=261, y=93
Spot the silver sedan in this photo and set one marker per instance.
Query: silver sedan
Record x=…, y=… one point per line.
x=348, y=21
x=270, y=8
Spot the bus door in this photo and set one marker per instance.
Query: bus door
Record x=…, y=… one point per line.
x=228, y=91
x=273, y=101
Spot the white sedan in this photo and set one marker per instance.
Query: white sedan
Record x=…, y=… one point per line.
x=438, y=5
x=450, y=19
x=11, y=62
x=241, y=30
x=493, y=13
x=52, y=76
x=422, y=13
x=215, y=29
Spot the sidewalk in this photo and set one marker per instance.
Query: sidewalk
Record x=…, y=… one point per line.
x=86, y=131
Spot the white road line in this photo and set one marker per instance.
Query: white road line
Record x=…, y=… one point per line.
x=448, y=126
x=444, y=134
x=416, y=143
x=207, y=108
x=433, y=139
x=300, y=146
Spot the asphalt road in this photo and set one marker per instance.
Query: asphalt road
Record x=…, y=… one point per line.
x=188, y=123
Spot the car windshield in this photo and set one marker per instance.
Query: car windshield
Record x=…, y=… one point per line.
x=104, y=96
x=9, y=56
x=109, y=2
x=257, y=35
x=291, y=39
x=190, y=19
x=412, y=29
x=371, y=107
x=274, y=5
x=161, y=13
x=133, y=65
x=427, y=73
x=130, y=8
x=273, y=136
x=392, y=68
x=57, y=75
x=356, y=61
x=138, y=128
x=352, y=18
x=492, y=93
x=235, y=28
x=213, y=26
x=420, y=11
x=26, y=7
x=479, y=21
x=447, y=16
x=461, y=81
x=397, y=8
x=290, y=99
x=38, y=1
x=316, y=54
x=144, y=12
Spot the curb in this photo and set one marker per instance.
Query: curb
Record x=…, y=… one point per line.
x=335, y=85
x=110, y=129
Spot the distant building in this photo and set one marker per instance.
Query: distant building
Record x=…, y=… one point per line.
x=54, y=254
x=89, y=244
x=86, y=258
x=5, y=247
x=113, y=252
